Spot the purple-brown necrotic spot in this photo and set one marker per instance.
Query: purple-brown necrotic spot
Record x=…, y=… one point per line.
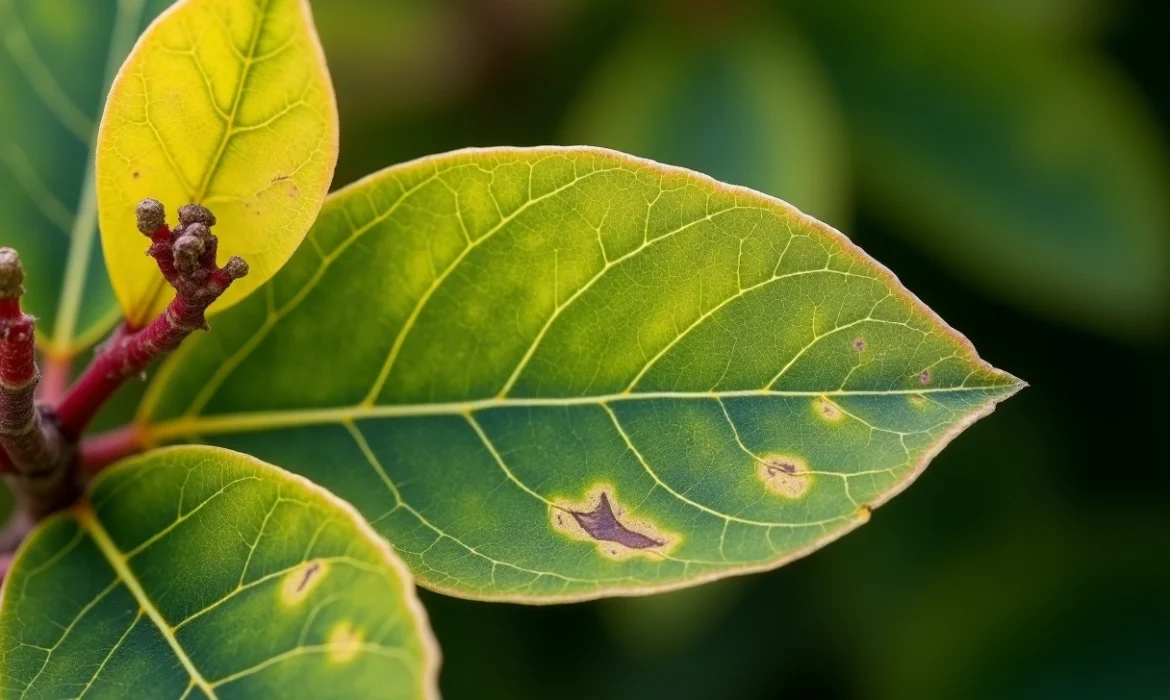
x=602, y=524
x=310, y=571
x=776, y=466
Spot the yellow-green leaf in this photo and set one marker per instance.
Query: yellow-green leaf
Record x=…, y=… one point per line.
x=552, y=374
x=197, y=572
x=227, y=103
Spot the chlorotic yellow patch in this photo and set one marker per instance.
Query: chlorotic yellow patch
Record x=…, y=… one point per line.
x=344, y=643
x=827, y=409
x=784, y=475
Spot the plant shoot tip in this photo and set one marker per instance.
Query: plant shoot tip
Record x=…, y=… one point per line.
x=196, y=213
x=11, y=274
x=152, y=216
x=236, y=267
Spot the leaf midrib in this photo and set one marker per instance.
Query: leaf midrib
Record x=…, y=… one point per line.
x=118, y=560
x=250, y=421
x=229, y=130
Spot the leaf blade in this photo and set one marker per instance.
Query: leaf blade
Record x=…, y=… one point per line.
x=228, y=104
x=311, y=559
x=491, y=410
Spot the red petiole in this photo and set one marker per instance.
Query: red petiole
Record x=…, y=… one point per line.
x=42, y=452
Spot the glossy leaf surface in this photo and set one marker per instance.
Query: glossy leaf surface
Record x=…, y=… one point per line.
x=227, y=103
x=196, y=572
x=56, y=62
x=560, y=373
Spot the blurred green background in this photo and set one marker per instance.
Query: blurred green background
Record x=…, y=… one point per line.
x=1008, y=160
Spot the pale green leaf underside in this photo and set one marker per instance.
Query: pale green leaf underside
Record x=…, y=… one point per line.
x=473, y=348
x=56, y=61
x=196, y=572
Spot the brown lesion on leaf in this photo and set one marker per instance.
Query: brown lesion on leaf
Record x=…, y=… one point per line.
x=784, y=475
x=924, y=377
x=827, y=409
x=604, y=521
x=301, y=581
x=293, y=190
x=310, y=571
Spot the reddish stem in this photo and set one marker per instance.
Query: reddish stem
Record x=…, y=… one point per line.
x=186, y=258
x=31, y=447
x=100, y=451
x=124, y=356
x=39, y=446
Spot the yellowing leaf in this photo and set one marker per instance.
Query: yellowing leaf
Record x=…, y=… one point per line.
x=552, y=374
x=227, y=103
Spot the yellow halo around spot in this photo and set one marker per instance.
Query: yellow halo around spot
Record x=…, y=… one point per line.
x=784, y=475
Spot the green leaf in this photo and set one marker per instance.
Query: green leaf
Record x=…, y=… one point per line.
x=749, y=107
x=561, y=373
x=57, y=59
x=195, y=572
x=1034, y=170
x=227, y=103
